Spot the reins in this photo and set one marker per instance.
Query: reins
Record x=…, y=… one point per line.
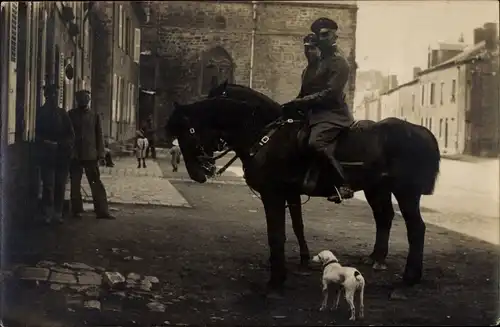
x=263, y=140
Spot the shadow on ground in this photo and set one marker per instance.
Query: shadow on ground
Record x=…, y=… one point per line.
x=210, y=261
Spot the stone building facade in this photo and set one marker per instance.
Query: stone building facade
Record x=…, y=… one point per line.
x=116, y=55
x=196, y=44
x=456, y=99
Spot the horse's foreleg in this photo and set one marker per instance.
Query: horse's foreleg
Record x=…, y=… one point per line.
x=383, y=212
x=295, y=207
x=274, y=207
x=409, y=204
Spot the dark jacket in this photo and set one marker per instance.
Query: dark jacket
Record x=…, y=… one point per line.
x=307, y=74
x=149, y=130
x=54, y=133
x=89, y=141
x=323, y=93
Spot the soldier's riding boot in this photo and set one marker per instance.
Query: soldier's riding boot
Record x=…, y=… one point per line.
x=343, y=191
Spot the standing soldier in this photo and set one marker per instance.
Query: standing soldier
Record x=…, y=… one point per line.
x=89, y=149
x=324, y=99
x=54, y=137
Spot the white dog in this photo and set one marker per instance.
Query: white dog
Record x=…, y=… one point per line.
x=350, y=279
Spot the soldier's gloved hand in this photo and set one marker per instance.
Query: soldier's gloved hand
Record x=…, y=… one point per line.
x=292, y=109
x=289, y=108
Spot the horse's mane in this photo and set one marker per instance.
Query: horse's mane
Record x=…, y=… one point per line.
x=260, y=97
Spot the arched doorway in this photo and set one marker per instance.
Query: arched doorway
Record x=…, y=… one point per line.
x=217, y=66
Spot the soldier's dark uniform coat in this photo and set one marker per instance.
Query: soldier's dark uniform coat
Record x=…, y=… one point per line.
x=322, y=92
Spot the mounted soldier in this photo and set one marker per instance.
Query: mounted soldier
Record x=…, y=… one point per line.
x=312, y=55
x=322, y=98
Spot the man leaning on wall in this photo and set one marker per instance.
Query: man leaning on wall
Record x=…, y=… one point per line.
x=88, y=150
x=54, y=140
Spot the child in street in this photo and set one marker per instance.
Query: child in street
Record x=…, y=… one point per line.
x=175, y=155
x=141, y=145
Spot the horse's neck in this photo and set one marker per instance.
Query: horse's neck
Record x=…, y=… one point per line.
x=244, y=135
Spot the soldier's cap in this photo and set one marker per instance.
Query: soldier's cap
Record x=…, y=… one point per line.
x=50, y=89
x=323, y=23
x=310, y=39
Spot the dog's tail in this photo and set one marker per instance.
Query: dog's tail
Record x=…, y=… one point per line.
x=361, y=281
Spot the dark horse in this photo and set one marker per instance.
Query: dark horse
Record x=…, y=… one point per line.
x=383, y=158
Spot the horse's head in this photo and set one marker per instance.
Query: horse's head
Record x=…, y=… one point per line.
x=196, y=142
x=219, y=91
x=199, y=127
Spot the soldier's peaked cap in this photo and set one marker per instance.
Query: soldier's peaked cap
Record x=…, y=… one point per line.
x=310, y=39
x=323, y=22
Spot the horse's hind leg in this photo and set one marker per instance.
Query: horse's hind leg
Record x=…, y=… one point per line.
x=409, y=204
x=295, y=207
x=379, y=200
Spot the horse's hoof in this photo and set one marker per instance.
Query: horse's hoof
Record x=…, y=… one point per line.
x=368, y=261
x=377, y=266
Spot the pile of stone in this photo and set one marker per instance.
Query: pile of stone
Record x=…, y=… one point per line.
x=89, y=286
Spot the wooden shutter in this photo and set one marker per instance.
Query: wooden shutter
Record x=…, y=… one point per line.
x=12, y=32
x=137, y=45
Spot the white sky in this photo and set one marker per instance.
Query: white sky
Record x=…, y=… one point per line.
x=393, y=36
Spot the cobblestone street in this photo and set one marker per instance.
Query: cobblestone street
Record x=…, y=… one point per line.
x=210, y=262
x=126, y=184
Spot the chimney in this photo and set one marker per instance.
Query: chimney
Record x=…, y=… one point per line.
x=478, y=35
x=490, y=35
x=416, y=71
x=393, y=81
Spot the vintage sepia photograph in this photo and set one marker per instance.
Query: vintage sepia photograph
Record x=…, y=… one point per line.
x=249, y=163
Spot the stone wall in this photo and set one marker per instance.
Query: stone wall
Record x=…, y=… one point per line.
x=184, y=34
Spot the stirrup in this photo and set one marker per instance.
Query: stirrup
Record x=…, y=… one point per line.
x=338, y=193
x=336, y=200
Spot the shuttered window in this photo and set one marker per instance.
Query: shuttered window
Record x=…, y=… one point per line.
x=115, y=92
x=120, y=27
x=137, y=45
x=133, y=103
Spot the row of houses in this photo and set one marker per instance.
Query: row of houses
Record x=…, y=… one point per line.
x=76, y=45
x=456, y=96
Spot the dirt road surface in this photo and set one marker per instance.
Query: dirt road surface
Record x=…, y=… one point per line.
x=211, y=263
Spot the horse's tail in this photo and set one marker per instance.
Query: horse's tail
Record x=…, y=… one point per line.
x=413, y=154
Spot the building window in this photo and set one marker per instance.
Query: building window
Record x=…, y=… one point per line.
x=440, y=126
x=421, y=121
x=432, y=94
x=441, y=94
x=446, y=133
x=422, y=95
x=453, y=90
x=137, y=44
x=127, y=37
x=430, y=124
x=114, y=98
x=413, y=102
x=120, y=27
x=133, y=104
